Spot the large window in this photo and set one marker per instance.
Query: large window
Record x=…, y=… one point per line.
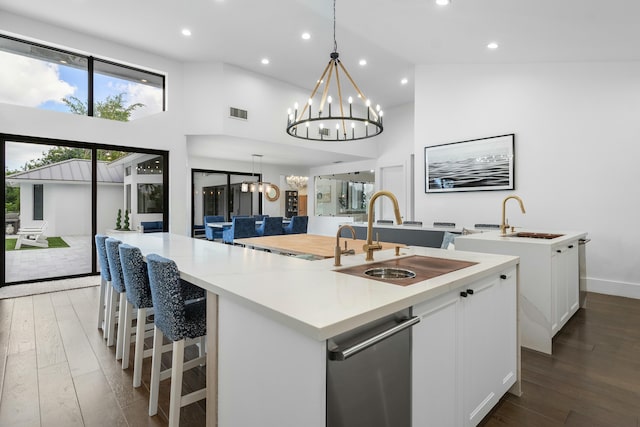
x=39, y=76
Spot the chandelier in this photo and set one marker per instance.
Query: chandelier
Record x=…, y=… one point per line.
x=343, y=122
x=298, y=182
x=253, y=186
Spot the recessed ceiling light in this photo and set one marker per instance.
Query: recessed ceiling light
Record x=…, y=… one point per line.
x=443, y=2
x=186, y=32
x=306, y=36
x=265, y=61
x=404, y=81
x=363, y=62
x=492, y=45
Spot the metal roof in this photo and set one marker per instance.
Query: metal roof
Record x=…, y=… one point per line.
x=78, y=170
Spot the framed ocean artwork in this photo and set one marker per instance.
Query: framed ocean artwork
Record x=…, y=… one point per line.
x=473, y=165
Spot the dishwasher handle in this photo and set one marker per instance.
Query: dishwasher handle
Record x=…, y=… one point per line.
x=339, y=355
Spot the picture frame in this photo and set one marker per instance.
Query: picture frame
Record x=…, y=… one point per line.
x=482, y=164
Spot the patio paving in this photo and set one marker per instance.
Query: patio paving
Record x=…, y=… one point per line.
x=32, y=264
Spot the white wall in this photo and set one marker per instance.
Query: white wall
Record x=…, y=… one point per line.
x=577, y=142
x=67, y=208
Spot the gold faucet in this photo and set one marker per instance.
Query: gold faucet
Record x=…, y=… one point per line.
x=369, y=247
x=504, y=225
x=337, y=251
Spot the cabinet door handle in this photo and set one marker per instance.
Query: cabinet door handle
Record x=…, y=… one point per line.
x=470, y=291
x=559, y=251
x=503, y=276
x=463, y=294
x=570, y=246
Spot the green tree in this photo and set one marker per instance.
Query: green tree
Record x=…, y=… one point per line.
x=113, y=107
x=11, y=195
x=59, y=154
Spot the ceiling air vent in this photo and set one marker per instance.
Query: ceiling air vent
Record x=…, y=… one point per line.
x=323, y=131
x=237, y=113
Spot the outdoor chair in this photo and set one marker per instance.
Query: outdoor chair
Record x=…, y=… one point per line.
x=32, y=236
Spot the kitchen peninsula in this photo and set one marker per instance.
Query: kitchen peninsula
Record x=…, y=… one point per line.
x=272, y=317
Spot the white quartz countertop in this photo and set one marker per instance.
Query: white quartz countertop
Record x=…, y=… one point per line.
x=495, y=236
x=308, y=296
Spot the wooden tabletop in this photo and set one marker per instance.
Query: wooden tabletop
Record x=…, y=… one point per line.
x=312, y=244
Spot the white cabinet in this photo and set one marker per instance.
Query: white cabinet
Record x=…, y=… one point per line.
x=464, y=352
x=564, y=283
x=549, y=281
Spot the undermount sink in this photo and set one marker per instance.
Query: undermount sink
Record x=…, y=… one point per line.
x=406, y=270
x=390, y=273
x=532, y=235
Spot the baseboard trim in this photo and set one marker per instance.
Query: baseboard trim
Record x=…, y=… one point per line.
x=609, y=287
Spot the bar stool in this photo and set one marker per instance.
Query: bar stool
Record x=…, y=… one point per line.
x=105, y=281
x=138, y=292
x=178, y=321
x=117, y=289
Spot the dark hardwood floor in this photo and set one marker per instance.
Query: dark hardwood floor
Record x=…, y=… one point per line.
x=55, y=370
x=591, y=380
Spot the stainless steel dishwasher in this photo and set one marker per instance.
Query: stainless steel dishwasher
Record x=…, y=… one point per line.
x=369, y=374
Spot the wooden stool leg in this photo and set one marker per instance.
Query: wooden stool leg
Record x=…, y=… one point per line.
x=111, y=319
x=156, y=362
x=177, y=365
x=101, y=309
x=126, y=338
x=139, y=350
x=121, y=329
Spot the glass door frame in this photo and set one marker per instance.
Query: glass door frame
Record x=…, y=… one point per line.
x=9, y=138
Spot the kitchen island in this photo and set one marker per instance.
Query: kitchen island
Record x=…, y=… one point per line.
x=271, y=317
x=549, y=278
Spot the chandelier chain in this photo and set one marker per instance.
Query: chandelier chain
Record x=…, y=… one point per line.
x=335, y=43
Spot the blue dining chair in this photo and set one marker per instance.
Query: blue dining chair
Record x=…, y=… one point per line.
x=178, y=321
x=241, y=227
x=260, y=217
x=271, y=226
x=210, y=232
x=298, y=225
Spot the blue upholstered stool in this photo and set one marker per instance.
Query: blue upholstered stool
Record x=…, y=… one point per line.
x=138, y=291
x=116, y=297
x=105, y=280
x=178, y=321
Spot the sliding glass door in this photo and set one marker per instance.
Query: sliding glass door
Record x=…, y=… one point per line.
x=222, y=193
x=59, y=194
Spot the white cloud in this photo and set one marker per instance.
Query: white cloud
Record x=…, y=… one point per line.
x=18, y=154
x=150, y=96
x=30, y=82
